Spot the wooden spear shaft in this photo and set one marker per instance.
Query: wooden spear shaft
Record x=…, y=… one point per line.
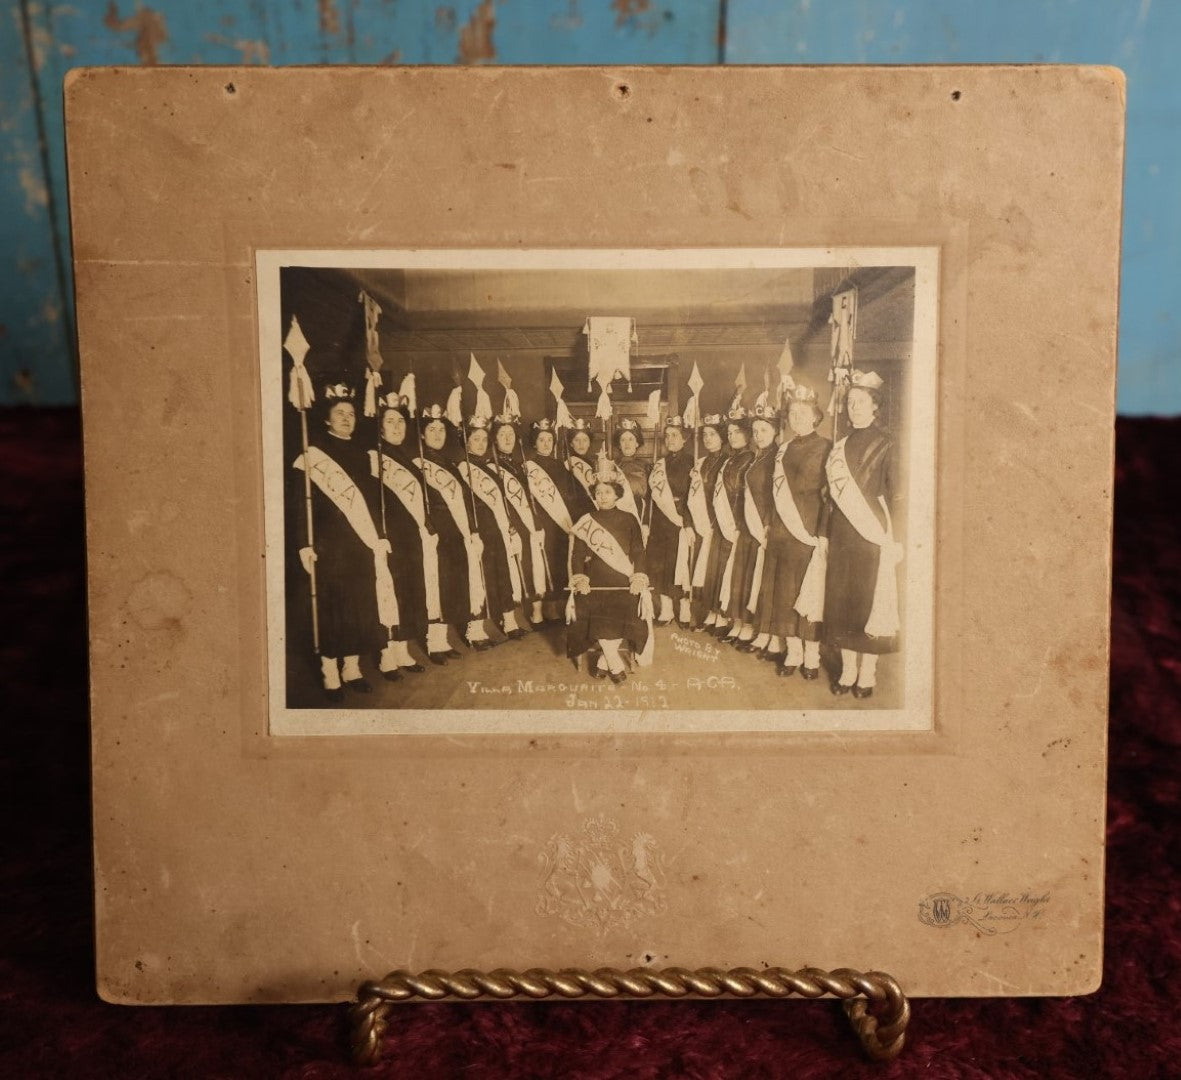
x=307, y=492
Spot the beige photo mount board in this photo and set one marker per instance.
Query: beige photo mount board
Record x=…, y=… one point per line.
x=234, y=865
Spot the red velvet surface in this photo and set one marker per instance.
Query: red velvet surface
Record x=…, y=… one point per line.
x=51, y=1023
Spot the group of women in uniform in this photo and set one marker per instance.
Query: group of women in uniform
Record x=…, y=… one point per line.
x=801, y=548
x=751, y=526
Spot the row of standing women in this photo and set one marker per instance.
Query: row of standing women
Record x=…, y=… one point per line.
x=751, y=527
x=801, y=549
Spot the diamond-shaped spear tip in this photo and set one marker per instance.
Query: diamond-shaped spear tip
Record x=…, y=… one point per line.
x=696, y=382
x=295, y=343
x=785, y=362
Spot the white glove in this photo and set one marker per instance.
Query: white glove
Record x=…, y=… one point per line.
x=307, y=556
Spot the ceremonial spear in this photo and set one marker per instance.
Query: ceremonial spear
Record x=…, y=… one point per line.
x=739, y=390
x=693, y=412
x=373, y=402
x=381, y=503
x=843, y=321
x=471, y=485
x=413, y=410
x=301, y=395
x=655, y=440
x=506, y=382
x=692, y=415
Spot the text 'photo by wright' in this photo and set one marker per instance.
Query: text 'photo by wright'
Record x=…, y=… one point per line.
x=599, y=491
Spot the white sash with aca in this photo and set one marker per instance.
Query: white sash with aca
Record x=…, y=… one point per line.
x=602, y=543
x=339, y=488
x=665, y=501
x=728, y=527
x=628, y=504
x=699, y=512
x=810, y=601
x=754, y=523
x=546, y=492
x=452, y=491
x=404, y=484
x=851, y=500
x=582, y=472
x=490, y=495
x=518, y=498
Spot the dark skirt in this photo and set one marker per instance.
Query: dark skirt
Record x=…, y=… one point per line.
x=557, y=555
x=454, y=589
x=409, y=580
x=346, y=600
x=742, y=577
x=848, y=590
x=527, y=590
x=708, y=596
x=606, y=616
x=783, y=574
x=663, y=539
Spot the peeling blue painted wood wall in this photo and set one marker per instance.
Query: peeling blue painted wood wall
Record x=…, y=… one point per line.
x=40, y=41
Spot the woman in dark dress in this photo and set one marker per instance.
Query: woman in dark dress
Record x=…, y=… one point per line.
x=356, y=604
x=727, y=507
x=751, y=547
x=707, y=569
x=628, y=439
x=861, y=589
x=788, y=611
x=508, y=459
x=610, y=601
x=552, y=489
x=581, y=465
x=461, y=575
x=414, y=558
x=671, y=537
x=502, y=543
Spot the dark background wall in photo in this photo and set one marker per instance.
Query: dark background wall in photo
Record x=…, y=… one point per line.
x=724, y=320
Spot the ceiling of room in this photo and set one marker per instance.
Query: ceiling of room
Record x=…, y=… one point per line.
x=541, y=311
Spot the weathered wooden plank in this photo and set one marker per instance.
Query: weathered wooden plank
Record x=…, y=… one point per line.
x=1139, y=37
x=35, y=351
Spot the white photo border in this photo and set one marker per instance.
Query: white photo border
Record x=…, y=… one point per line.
x=918, y=568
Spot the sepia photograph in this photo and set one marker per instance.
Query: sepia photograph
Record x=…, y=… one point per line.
x=599, y=491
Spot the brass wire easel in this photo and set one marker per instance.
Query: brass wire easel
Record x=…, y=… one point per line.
x=881, y=1036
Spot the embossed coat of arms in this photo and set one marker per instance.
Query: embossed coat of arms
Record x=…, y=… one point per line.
x=601, y=879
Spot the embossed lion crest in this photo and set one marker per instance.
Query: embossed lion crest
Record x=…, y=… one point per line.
x=599, y=880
